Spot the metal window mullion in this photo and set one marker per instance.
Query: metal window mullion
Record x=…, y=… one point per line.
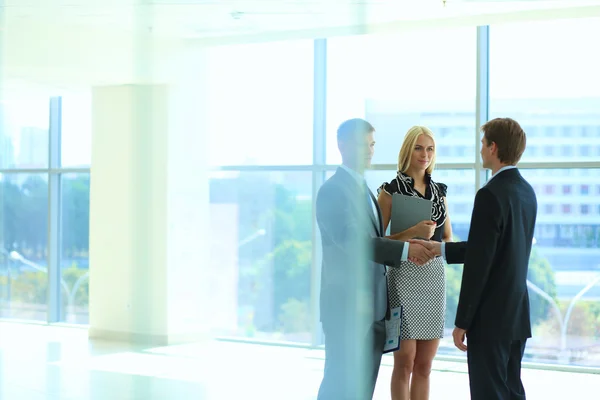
x=83, y=170
x=318, y=177
x=482, y=97
x=592, y=164
x=54, y=210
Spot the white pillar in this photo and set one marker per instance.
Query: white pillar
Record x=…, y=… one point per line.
x=149, y=212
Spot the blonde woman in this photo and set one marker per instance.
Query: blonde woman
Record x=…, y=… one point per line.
x=421, y=290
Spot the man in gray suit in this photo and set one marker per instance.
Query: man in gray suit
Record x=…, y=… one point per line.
x=354, y=301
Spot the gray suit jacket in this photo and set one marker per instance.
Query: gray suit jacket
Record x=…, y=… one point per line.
x=353, y=276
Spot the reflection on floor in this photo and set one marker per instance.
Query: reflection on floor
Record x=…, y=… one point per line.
x=51, y=363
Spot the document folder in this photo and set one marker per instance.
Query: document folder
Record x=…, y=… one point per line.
x=407, y=211
x=393, y=330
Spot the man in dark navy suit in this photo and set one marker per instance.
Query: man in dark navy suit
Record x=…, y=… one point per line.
x=354, y=300
x=493, y=308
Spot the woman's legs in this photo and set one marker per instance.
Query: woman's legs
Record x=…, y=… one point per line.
x=425, y=352
x=403, y=367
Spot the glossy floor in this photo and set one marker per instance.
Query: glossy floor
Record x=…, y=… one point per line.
x=52, y=363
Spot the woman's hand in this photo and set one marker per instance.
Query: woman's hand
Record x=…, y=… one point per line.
x=424, y=229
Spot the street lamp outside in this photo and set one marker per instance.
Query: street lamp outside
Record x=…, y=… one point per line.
x=14, y=255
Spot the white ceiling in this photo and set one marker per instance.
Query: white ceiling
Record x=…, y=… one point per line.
x=197, y=19
x=83, y=42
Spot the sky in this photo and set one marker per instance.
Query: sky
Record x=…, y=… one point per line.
x=261, y=95
x=33, y=111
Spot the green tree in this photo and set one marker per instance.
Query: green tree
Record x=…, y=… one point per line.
x=32, y=214
x=292, y=260
x=453, y=282
x=82, y=295
x=276, y=265
x=23, y=228
x=540, y=274
x=75, y=215
x=10, y=198
x=24, y=215
x=584, y=320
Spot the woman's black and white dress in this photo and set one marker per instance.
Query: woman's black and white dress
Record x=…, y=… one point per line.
x=421, y=290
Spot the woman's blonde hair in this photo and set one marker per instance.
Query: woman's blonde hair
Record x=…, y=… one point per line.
x=410, y=140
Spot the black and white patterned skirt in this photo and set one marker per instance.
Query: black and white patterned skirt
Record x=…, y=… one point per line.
x=421, y=290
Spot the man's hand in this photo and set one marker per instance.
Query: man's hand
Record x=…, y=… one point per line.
x=434, y=247
x=419, y=254
x=459, y=338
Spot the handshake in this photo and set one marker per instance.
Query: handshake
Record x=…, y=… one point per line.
x=422, y=251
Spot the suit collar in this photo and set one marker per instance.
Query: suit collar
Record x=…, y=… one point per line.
x=511, y=168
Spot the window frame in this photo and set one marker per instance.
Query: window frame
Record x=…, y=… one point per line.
x=318, y=168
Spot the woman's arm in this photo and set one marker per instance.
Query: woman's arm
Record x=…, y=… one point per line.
x=447, y=236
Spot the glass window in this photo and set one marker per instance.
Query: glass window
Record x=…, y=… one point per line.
x=530, y=131
x=533, y=151
x=262, y=247
x=442, y=152
x=571, y=131
x=550, y=132
x=584, y=150
x=74, y=262
x=24, y=132
x=397, y=81
x=585, y=189
x=585, y=209
x=76, y=130
x=23, y=246
x=530, y=92
x=261, y=103
x=545, y=231
x=589, y=131
x=567, y=245
x=566, y=150
x=566, y=232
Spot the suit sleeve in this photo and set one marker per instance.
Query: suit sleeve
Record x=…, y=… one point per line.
x=455, y=252
x=347, y=231
x=486, y=224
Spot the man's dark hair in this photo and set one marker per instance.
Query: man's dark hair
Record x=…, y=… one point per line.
x=509, y=138
x=353, y=128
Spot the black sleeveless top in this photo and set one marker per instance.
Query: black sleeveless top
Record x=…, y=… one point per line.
x=434, y=191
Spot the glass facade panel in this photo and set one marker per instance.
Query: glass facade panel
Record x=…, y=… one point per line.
x=74, y=255
x=266, y=175
x=262, y=245
x=23, y=246
x=398, y=81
